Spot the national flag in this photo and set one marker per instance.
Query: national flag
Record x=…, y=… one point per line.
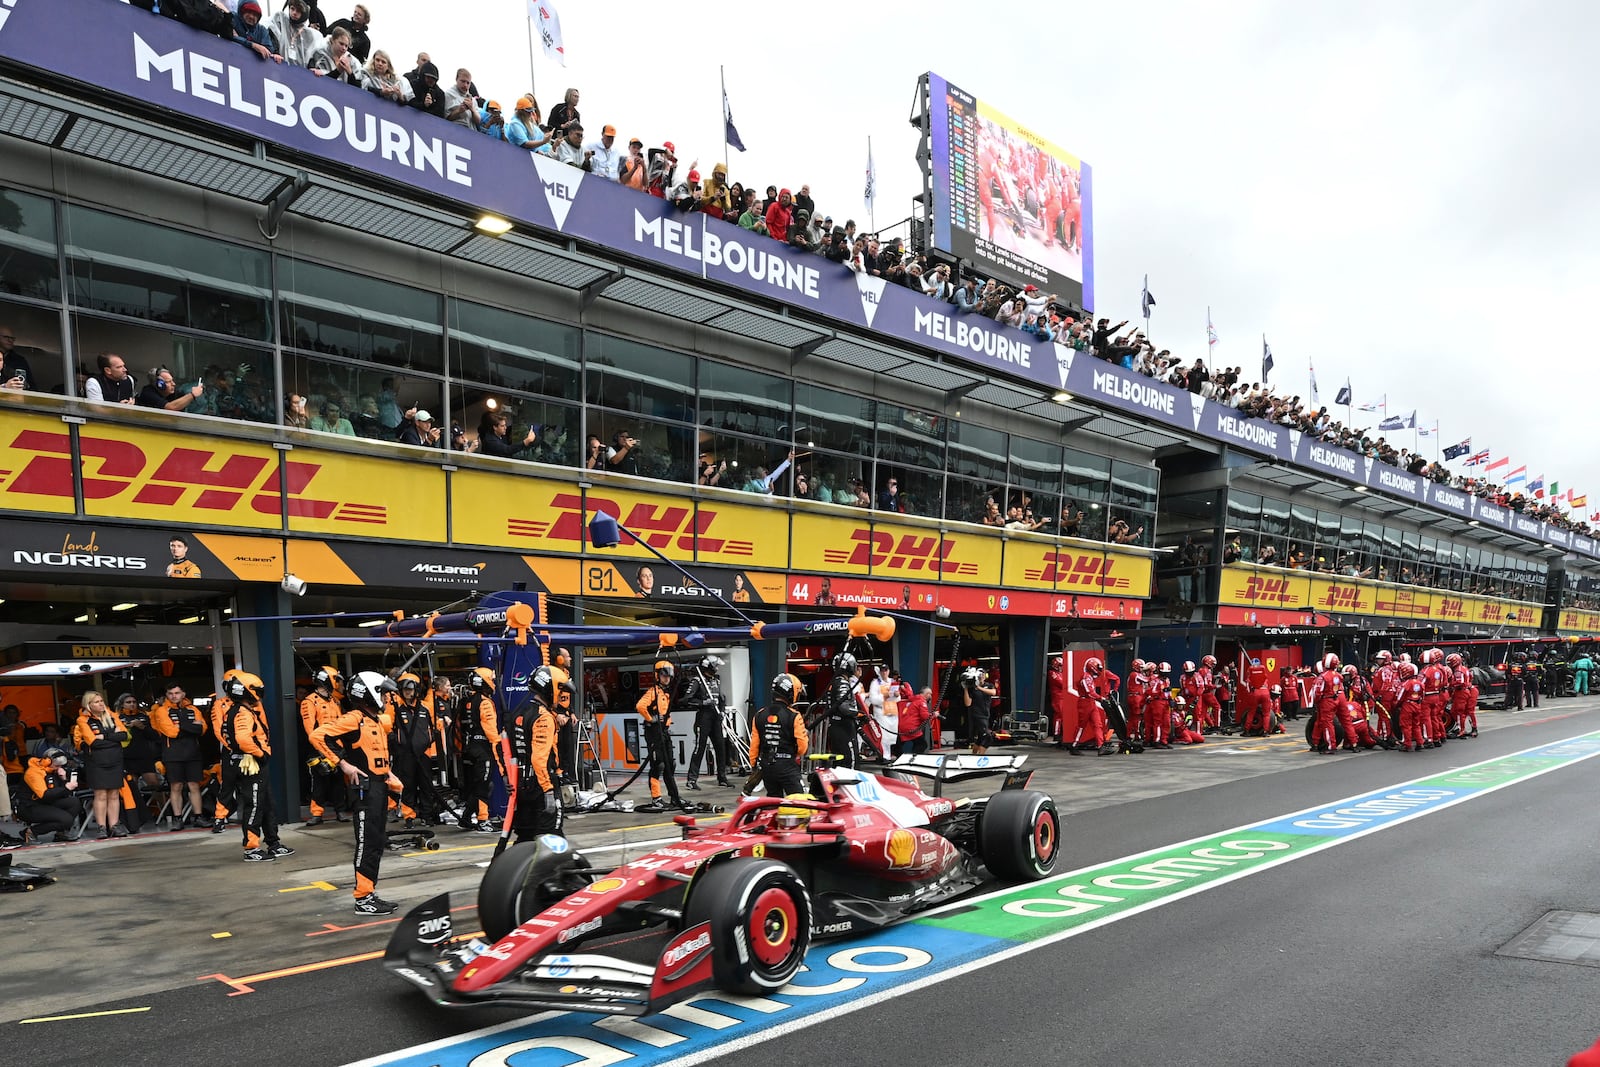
x=872, y=179
x=1478, y=459
x=1458, y=450
x=1266, y=358
x=1503, y=461
x=1146, y=301
x=1577, y=501
x=729, y=134
x=1517, y=476
x=1343, y=399
x=1314, y=398
x=1536, y=487
x=543, y=13
x=1555, y=490
x=1399, y=422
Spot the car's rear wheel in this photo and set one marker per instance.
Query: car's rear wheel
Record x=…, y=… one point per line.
x=524, y=880
x=1019, y=835
x=760, y=916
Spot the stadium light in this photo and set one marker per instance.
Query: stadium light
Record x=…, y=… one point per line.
x=493, y=225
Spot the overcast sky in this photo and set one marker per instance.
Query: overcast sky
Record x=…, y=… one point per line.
x=1400, y=194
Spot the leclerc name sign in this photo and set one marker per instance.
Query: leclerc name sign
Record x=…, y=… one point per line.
x=118, y=49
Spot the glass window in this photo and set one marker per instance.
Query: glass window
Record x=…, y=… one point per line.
x=28, y=237
x=831, y=478
x=36, y=335
x=1036, y=472
x=916, y=492
x=543, y=431
x=236, y=381
x=355, y=400
x=1274, y=532
x=745, y=401
x=725, y=461
x=973, y=501
x=144, y=271
x=980, y=453
x=338, y=313
x=664, y=450
x=502, y=349
x=1133, y=485
x=1087, y=477
x=907, y=437
x=832, y=420
x=629, y=376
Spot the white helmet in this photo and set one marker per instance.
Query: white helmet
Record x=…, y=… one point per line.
x=1330, y=662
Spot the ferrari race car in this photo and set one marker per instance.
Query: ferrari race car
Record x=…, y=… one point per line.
x=731, y=907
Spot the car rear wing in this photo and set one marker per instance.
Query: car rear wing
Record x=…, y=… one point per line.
x=963, y=767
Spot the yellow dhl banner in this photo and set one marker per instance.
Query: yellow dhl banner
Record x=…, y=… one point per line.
x=1041, y=565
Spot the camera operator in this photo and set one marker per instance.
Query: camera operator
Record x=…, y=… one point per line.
x=623, y=455
x=838, y=247
x=49, y=806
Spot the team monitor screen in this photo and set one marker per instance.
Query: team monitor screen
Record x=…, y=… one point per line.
x=1007, y=199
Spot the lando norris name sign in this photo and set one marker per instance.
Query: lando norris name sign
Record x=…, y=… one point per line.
x=122, y=50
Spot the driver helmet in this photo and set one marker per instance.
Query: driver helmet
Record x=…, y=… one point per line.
x=367, y=691
x=793, y=816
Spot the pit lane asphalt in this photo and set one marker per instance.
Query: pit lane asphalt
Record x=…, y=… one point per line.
x=1379, y=951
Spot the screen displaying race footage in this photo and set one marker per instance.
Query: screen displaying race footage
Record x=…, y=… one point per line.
x=1007, y=199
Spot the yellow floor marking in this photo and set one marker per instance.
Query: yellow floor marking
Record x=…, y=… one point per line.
x=84, y=1015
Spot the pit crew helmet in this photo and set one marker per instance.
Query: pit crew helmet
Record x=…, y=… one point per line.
x=328, y=676
x=665, y=672
x=542, y=683
x=786, y=688
x=1208, y=661
x=408, y=684
x=238, y=685
x=1408, y=671
x=1165, y=667
x=367, y=691
x=1188, y=666
x=1453, y=659
x=1383, y=657
x=481, y=679
x=1138, y=665
x=711, y=664
x=844, y=663
x=1330, y=662
x=1093, y=665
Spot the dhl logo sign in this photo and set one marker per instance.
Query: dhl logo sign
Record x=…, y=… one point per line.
x=1084, y=570
x=1342, y=598
x=661, y=525
x=234, y=485
x=1269, y=590
x=908, y=553
x=1450, y=607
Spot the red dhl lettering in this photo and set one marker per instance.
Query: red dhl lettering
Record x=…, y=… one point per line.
x=1077, y=569
x=202, y=479
x=908, y=552
x=1340, y=596
x=661, y=526
x=1271, y=590
x=1452, y=608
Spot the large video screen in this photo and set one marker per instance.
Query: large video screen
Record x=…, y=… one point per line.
x=1008, y=200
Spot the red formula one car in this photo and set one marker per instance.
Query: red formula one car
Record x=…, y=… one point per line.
x=735, y=906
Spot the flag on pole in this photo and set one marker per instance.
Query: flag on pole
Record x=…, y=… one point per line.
x=1343, y=397
x=543, y=13
x=1518, y=476
x=1555, y=489
x=1314, y=399
x=1398, y=422
x=1503, y=461
x=1577, y=501
x=1536, y=487
x=1458, y=450
x=1146, y=301
x=1478, y=459
x=1430, y=432
x=1211, y=331
x=872, y=179
x=1266, y=358
x=1381, y=405
x=729, y=134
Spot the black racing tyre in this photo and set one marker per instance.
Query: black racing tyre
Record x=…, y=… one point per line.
x=1116, y=717
x=760, y=916
x=524, y=880
x=1338, y=730
x=1019, y=835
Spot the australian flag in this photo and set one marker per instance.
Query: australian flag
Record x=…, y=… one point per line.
x=1458, y=450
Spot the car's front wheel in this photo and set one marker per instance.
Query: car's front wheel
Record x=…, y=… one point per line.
x=1019, y=835
x=760, y=916
x=525, y=879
